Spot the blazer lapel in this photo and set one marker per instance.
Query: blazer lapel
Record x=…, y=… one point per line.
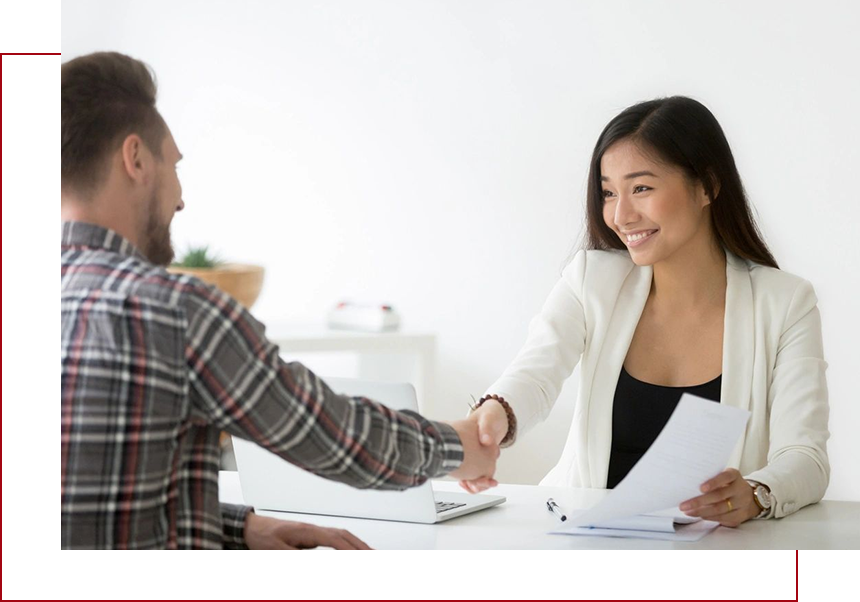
x=628, y=306
x=738, y=342
x=738, y=355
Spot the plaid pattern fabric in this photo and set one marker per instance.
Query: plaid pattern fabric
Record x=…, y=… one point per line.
x=155, y=365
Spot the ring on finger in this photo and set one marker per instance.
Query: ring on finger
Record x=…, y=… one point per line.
x=729, y=502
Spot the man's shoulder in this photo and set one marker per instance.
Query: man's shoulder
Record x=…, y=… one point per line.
x=132, y=277
x=197, y=295
x=185, y=292
x=204, y=306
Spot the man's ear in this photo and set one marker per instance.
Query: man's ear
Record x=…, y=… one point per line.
x=135, y=159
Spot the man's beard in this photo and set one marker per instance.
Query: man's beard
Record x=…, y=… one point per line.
x=156, y=237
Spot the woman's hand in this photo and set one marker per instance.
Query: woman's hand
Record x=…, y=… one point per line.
x=728, y=499
x=479, y=458
x=265, y=533
x=492, y=428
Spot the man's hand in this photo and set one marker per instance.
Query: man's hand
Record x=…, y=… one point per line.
x=492, y=428
x=479, y=459
x=264, y=533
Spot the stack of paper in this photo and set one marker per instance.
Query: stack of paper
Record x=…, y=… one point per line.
x=670, y=524
x=694, y=446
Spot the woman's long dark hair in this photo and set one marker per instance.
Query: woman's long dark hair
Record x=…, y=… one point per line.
x=684, y=133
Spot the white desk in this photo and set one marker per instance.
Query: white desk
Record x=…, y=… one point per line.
x=522, y=522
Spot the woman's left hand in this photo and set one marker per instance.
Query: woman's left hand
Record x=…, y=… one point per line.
x=728, y=499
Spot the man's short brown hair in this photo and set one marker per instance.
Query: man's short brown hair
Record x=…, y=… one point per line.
x=105, y=97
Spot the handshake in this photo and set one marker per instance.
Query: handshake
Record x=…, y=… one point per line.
x=480, y=435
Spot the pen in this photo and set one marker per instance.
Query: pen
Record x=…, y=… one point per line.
x=553, y=507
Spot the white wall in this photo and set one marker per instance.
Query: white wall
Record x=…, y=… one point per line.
x=434, y=154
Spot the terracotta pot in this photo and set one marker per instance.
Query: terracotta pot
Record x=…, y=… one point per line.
x=241, y=281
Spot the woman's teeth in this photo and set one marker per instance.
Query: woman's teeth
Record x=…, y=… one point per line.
x=640, y=236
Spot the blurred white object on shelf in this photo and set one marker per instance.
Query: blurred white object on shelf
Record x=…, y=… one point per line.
x=364, y=317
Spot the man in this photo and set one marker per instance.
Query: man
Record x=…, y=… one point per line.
x=155, y=365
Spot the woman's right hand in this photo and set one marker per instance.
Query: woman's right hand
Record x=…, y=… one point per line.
x=492, y=428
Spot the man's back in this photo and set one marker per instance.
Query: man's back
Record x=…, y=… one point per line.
x=155, y=365
x=136, y=466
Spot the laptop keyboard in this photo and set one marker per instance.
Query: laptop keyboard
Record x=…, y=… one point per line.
x=445, y=506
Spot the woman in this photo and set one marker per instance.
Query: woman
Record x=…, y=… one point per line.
x=676, y=292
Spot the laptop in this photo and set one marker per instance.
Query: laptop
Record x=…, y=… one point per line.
x=270, y=483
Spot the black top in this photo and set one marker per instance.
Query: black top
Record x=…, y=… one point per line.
x=639, y=413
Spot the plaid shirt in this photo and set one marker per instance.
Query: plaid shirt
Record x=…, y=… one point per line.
x=155, y=365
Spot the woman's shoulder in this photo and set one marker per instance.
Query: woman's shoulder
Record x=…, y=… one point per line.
x=774, y=287
x=601, y=273
x=767, y=278
x=594, y=260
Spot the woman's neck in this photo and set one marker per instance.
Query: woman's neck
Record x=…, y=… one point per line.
x=692, y=277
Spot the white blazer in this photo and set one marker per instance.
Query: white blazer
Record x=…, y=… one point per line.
x=773, y=366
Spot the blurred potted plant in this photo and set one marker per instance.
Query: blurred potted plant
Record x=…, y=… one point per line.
x=243, y=282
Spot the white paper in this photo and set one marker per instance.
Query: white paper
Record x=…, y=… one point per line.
x=693, y=531
x=646, y=522
x=694, y=446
